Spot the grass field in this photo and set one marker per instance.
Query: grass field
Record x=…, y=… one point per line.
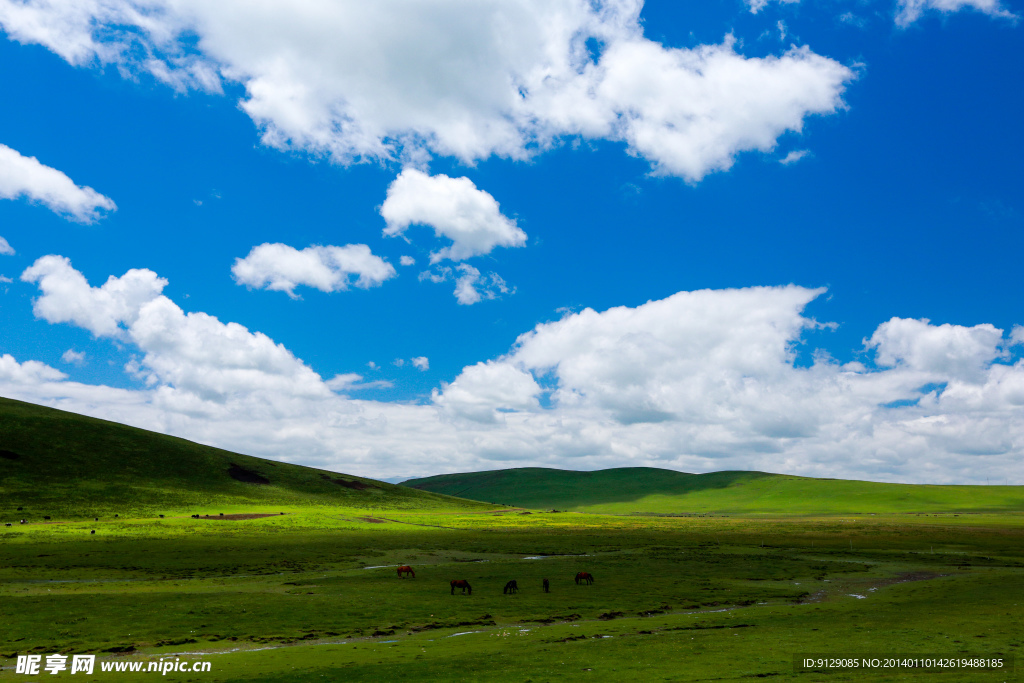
x=313, y=594
x=649, y=490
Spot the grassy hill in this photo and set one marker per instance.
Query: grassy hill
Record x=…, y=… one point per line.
x=69, y=466
x=647, y=489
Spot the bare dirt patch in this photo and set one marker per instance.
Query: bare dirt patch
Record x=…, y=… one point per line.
x=372, y=520
x=239, y=473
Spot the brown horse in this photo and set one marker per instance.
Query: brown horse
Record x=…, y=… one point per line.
x=406, y=569
x=463, y=584
x=585, y=577
x=547, y=586
x=511, y=587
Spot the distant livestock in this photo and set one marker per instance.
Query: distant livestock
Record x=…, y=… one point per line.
x=406, y=569
x=511, y=587
x=547, y=586
x=585, y=577
x=464, y=585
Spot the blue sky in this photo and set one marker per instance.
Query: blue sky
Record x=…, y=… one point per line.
x=820, y=200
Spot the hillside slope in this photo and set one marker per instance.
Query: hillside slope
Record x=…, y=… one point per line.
x=70, y=466
x=646, y=489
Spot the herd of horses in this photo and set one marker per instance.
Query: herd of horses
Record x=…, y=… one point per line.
x=511, y=587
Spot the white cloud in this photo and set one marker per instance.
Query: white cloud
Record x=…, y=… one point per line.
x=699, y=381
x=352, y=381
x=193, y=352
x=398, y=362
x=691, y=111
x=421, y=363
x=5, y=248
x=6, y=280
x=454, y=208
x=406, y=260
x=459, y=78
x=68, y=298
x=481, y=390
x=1017, y=335
x=329, y=269
x=909, y=11
x=73, y=357
x=471, y=287
x=29, y=373
x=794, y=156
x=25, y=177
x=945, y=350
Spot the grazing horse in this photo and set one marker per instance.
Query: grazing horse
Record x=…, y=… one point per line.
x=406, y=569
x=463, y=584
x=586, y=577
x=511, y=587
x=547, y=586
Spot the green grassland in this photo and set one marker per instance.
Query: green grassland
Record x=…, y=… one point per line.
x=313, y=595
x=628, y=490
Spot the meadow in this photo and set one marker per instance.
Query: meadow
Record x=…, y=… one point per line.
x=313, y=595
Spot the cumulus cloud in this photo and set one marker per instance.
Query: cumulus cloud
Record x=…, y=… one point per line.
x=694, y=380
x=421, y=363
x=482, y=390
x=454, y=208
x=909, y=11
x=30, y=373
x=282, y=268
x=399, y=80
x=407, y=260
x=193, y=352
x=22, y=176
x=945, y=350
x=68, y=298
x=699, y=381
x=5, y=248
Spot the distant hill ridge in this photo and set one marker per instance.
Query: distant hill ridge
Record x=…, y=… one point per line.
x=648, y=489
x=63, y=465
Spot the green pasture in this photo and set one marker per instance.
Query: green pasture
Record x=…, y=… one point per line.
x=628, y=490
x=313, y=595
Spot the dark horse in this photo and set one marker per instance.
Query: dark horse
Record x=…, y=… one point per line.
x=406, y=569
x=586, y=577
x=547, y=586
x=463, y=584
x=511, y=587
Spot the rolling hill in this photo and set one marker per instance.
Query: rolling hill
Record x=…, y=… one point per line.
x=66, y=466
x=652, y=490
